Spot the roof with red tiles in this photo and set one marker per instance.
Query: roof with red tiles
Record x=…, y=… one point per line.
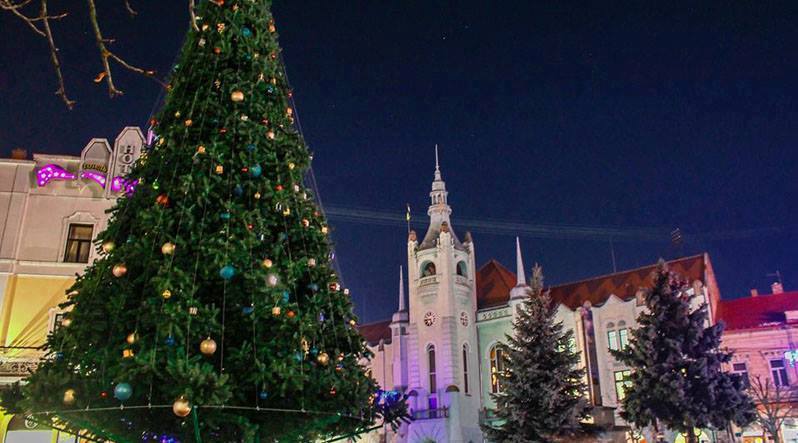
x=374, y=332
x=494, y=283
x=595, y=290
x=760, y=312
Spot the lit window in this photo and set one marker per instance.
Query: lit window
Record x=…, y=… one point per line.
x=741, y=370
x=428, y=269
x=779, y=373
x=465, y=368
x=623, y=338
x=496, y=368
x=433, y=385
x=612, y=339
x=622, y=382
x=78, y=243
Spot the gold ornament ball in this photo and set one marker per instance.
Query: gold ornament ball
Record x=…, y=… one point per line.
x=270, y=135
x=128, y=353
x=237, y=96
x=108, y=246
x=323, y=358
x=131, y=338
x=291, y=165
x=208, y=346
x=166, y=293
x=276, y=311
x=69, y=397
x=325, y=230
x=311, y=262
x=200, y=149
x=267, y=263
x=257, y=196
x=219, y=169
x=168, y=248
x=181, y=407
x=119, y=270
x=66, y=322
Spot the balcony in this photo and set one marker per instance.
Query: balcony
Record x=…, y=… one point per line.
x=430, y=280
x=430, y=414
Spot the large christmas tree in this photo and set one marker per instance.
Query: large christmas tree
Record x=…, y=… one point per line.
x=214, y=312
x=543, y=389
x=677, y=376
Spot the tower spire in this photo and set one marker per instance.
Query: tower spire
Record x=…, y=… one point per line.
x=437, y=166
x=519, y=265
x=402, y=307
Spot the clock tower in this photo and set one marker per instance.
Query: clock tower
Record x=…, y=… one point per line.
x=443, y=369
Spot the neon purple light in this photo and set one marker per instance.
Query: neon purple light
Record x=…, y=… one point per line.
x=52, y=172
x=121, y=183
x=94, y=176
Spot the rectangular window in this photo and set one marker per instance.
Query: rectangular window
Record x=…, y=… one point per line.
x=741, y=370
x=623, y=338
x=779, y=373
x=621, y=383
x=612, y=339
x=78, y=243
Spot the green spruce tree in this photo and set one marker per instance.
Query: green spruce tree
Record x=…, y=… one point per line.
x=677, y=379
x=542, y=396
x=214, y=313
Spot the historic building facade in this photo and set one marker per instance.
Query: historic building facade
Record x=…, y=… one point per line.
x=51, y=208
x=762, y=330
x=440, y=347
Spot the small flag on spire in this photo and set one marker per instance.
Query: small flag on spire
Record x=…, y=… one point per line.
x=407, y=216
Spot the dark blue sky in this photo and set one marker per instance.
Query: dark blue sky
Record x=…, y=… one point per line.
x=627, y=117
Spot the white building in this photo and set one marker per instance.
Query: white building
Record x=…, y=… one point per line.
x=51, y=208
x=440, y=346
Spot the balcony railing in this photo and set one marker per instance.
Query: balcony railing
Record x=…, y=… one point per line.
x=430, y=414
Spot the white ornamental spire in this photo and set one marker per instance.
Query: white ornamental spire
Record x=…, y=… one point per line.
x=437, y=166
x=401, y=291
x=519, y=265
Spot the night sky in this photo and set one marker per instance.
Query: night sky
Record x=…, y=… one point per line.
x=569, y=124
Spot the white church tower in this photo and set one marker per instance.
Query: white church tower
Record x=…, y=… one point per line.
x=443, y=367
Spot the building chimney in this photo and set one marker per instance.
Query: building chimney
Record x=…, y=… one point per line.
x=754, y=292
x=776, y=288
x=19, y=154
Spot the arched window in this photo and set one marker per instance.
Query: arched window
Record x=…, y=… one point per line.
x=465, y=368
x=433, y=385
x=496, y=368
x=427, y=269
x=462, y=269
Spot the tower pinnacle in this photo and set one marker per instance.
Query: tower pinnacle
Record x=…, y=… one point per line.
x=519, y=265
x=402, y=307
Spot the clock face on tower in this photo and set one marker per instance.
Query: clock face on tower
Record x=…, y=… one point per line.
x=429, y=318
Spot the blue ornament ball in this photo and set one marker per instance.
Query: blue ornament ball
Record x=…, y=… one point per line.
x=286, y=296
x=123, y=391
x=238, y=191
x=224, y=216
x=170, y=341
x=246, y=310
x=313, y=287
x=255, y=171
x=251, y=147
x=263, y=395
x=314, y=351
x=298, y=356
x=227, y=272
x=246, y=32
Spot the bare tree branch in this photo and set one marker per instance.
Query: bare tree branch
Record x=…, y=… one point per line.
x=130, y=9
x=774, y=405
x=106, y=55
x=193, y=15
x=61, y=92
